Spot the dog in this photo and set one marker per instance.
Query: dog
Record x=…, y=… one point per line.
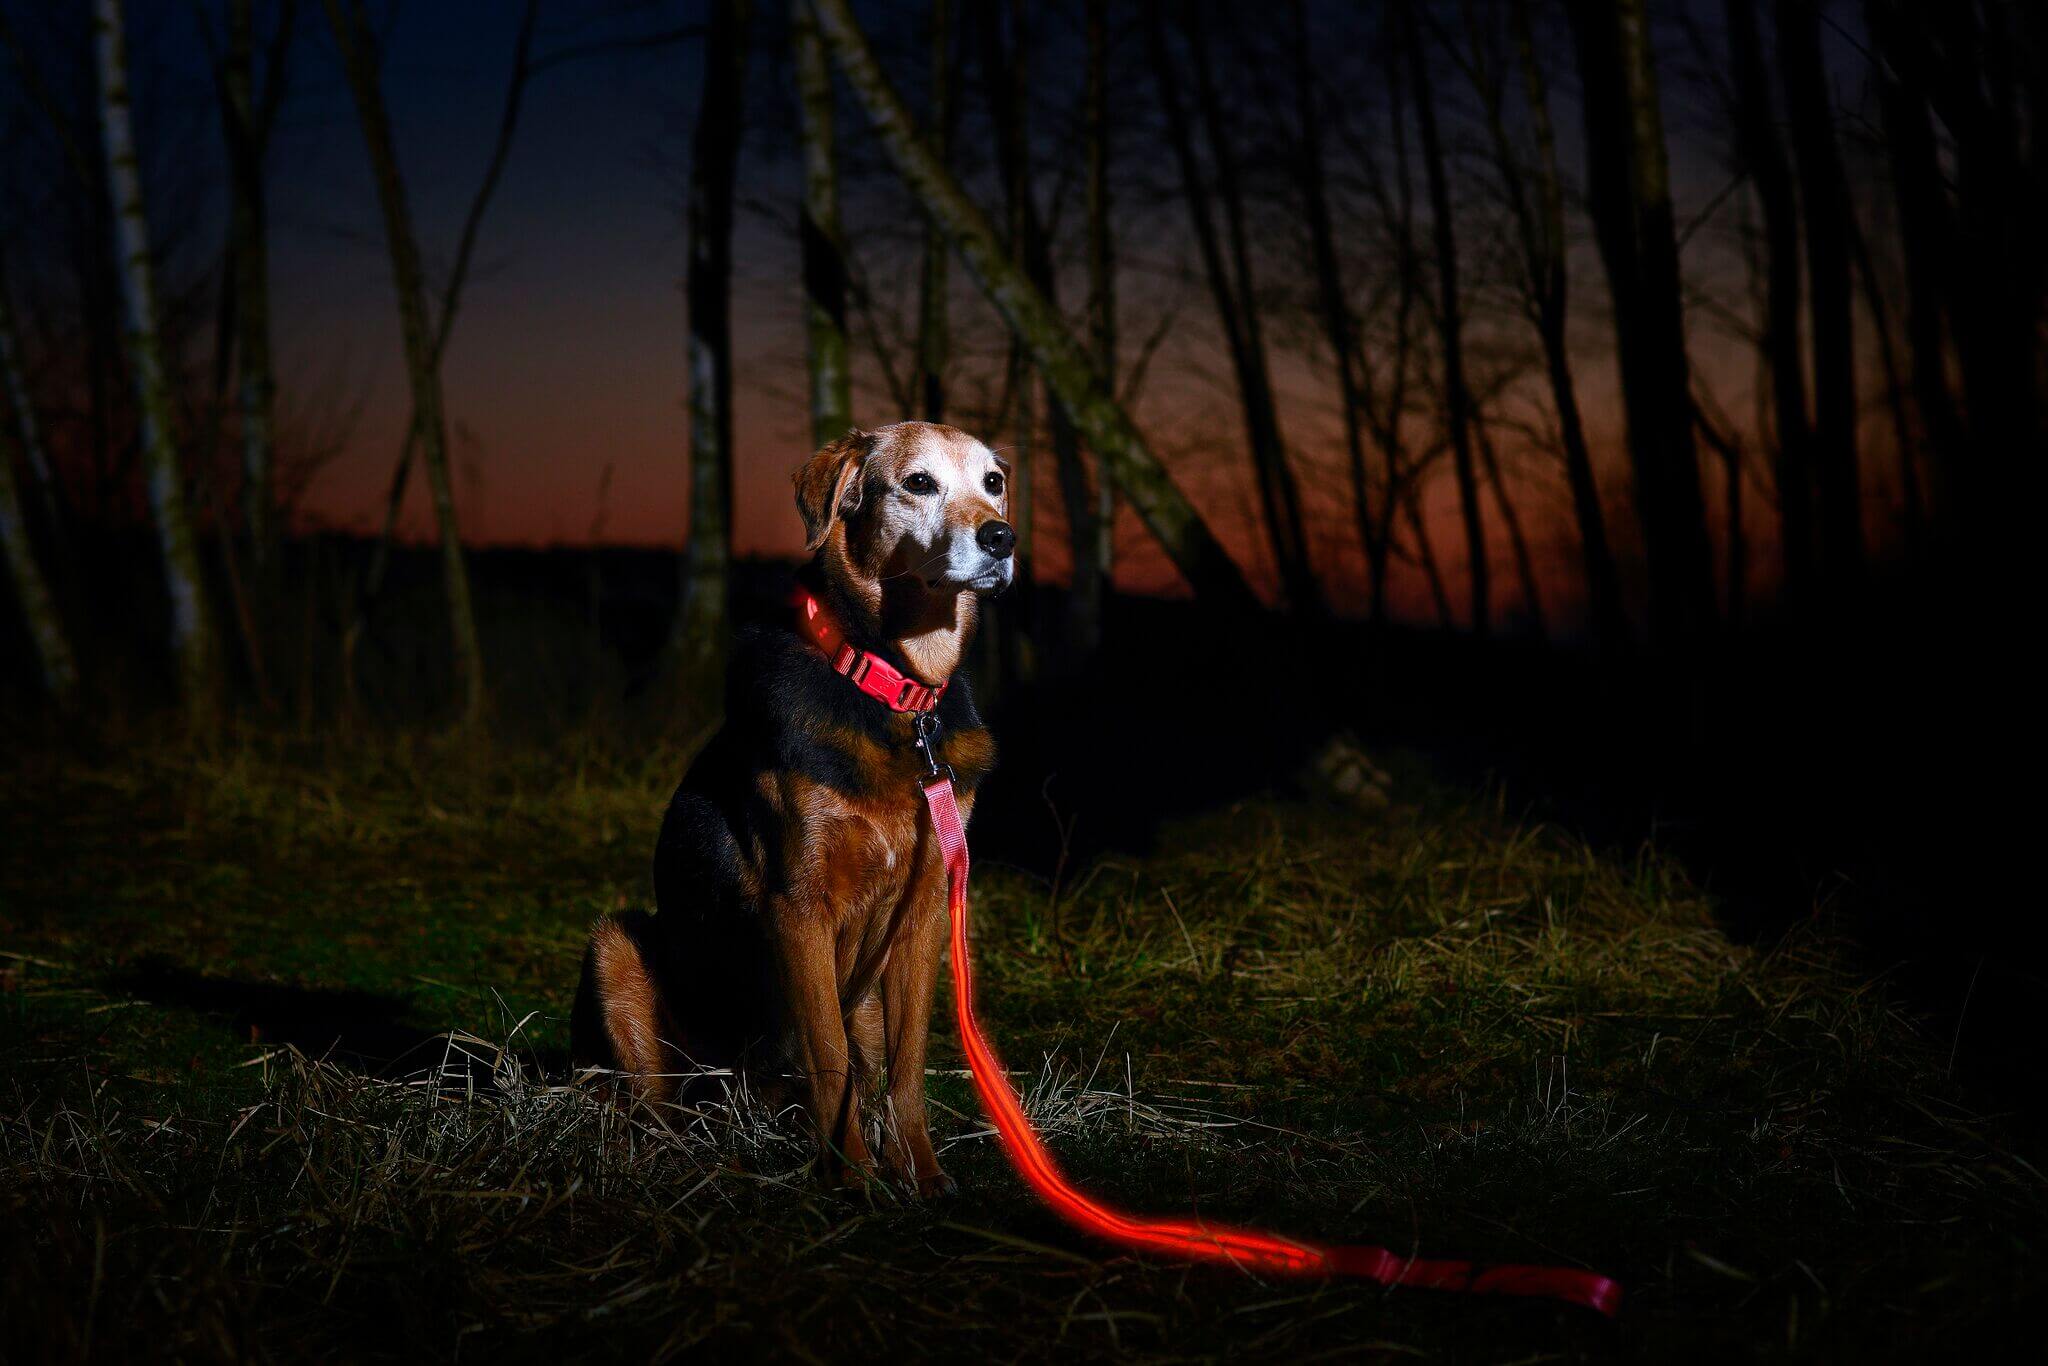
x=801, y=900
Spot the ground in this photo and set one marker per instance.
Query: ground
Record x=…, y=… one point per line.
x=1439, y=1028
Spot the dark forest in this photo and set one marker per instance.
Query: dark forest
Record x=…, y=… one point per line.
x=1512, y=711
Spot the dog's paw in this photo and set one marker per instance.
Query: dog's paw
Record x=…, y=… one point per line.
x=848, y=1178
x=937, y=1186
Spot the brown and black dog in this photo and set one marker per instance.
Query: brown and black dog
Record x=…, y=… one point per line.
x=801, y=898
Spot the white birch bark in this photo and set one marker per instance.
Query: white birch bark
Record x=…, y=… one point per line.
x=192, y=629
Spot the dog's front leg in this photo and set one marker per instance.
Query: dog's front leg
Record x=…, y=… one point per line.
x=808, y=966
x=907, y=985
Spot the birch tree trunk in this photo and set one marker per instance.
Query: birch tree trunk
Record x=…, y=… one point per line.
x=1763, y=156
x=1628, y=194
x=1065, y=365
x=703, y=623
x=193, y=639
x=32, y=592
x=422, y=356
x=1450, y=329
x=1824, y=191
x=824, y=259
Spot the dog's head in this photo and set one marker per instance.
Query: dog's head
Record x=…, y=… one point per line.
x=914, y=501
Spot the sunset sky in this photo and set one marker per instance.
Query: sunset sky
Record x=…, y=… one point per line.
x=568, y=357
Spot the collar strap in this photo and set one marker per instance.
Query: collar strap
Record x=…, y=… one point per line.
x=869, y=672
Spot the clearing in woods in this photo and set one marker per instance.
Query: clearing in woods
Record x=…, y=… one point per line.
x=235, y=1121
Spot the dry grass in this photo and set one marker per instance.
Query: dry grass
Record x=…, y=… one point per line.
x=1444, y=1031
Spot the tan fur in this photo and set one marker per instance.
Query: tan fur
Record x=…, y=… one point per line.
x=634, y=1021
x=882, y=555
x=852, y=889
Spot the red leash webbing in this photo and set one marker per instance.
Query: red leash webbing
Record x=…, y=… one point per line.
x=1197, y=1239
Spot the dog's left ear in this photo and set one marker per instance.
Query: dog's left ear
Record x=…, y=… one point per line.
x=828, y=485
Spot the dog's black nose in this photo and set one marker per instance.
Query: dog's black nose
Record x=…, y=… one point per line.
x=996, y=538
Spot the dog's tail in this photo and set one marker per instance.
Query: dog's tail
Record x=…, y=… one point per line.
x=621, y=1020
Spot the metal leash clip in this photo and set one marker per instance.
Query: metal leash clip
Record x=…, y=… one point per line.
x=925, y=728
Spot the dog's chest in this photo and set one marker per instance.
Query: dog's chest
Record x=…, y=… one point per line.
x=873, y=851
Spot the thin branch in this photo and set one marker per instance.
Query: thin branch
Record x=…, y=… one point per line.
x=601, y=47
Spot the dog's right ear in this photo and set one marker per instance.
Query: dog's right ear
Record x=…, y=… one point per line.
x=828, y=485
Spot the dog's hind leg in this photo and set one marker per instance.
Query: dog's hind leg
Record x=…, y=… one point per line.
x=620, y=1020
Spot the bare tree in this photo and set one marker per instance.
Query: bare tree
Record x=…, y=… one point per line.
x=246, y=121
x=1824, y=195
x=1538, y=214
x=1725, y=445
x=360, y=61
x=1926, y=232
x=1101, y=280
x=209, y=425
x=701, y=623
x=1913, y=500
x=28, y=430
x=524, y=66
x=193, y=639
x=1006, y=83
x=1973, y=210
x=1628, y=195
x=1763, y=157
x=1518, y=540
x=1009, y=88
x=59, y=670
x=1064, y=364
x=1233, y=291
x=1340, y=328
x=1386, y=369
x=824, y=258
x=1450, y=325
x=934, y=338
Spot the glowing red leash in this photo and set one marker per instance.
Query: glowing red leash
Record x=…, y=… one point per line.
x=1196, y=1239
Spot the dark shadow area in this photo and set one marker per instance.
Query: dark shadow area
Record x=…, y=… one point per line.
x=366, y=1030
x=1790, y=785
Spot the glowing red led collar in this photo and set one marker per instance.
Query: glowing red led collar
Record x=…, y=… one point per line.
x=872, y=674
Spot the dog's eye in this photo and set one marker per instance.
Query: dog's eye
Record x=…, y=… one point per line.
x=921, y=483
x=993, y=482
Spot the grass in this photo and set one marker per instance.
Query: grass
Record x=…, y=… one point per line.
x=1442, y=1030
